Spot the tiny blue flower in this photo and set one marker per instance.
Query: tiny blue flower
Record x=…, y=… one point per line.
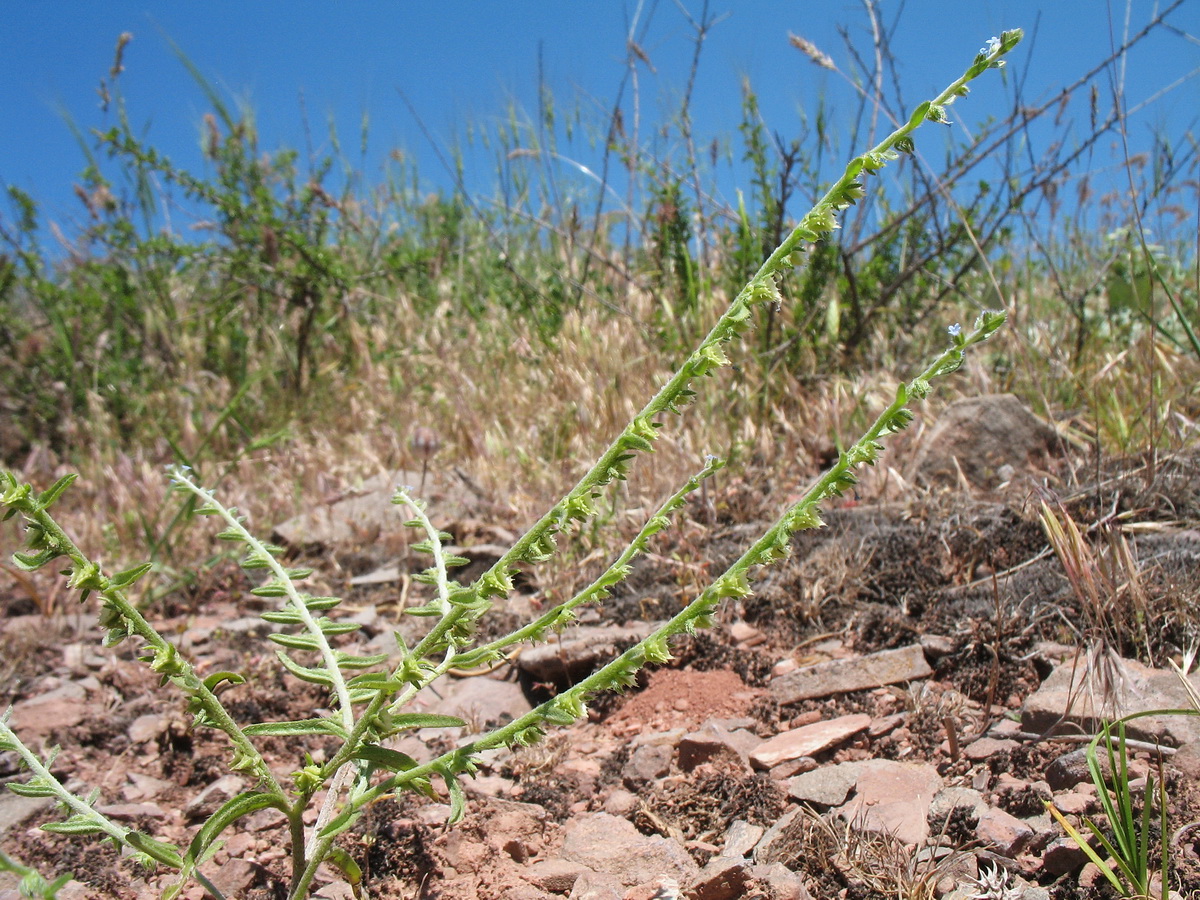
x=955, y=330
x=993, y=45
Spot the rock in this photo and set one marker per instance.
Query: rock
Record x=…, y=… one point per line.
x=1068, y=770
x=205, y=803
x=369, y=510
x=647, y=763
x=722, y=878
x=611, y=846
x=620, y=802
x=807, y=740
x=1065, y=696
x=713, y=740
x=1002, y=833
x=595, y=886
x=15, y=809
x=952, y=798
x=741, y=838
x=558, y=876
x=979, y=436
x=768, y=849
x=147, y=728
x=893, y=797
x=1063, y=856
x=336, y=890
x=577, y=651
x=986, y=747
x=238, y=876
x=48, y=713
x=826, y=786
x=842, y=675
x=479, y=700
x=780, y=881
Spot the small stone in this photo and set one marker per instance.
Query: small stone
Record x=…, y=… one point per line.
x=723, y=878
x=611, y=846
x=237, y=876
x=1068, y=770
x=1063, y=856
x=1072, y=803
x=784, y=667
x=557, y=876
x=210, y=799
x=56, y=710
x=792, y=767
x=741, y=838
x=712, y=740
x=807, y=740
x=620, y=802
x=1002, y=832
x=987, y=747
x=745, y=632
x=647, y=763
x=147, y=728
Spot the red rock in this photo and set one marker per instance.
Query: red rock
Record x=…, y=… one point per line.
x=807, y=740
x=1002, y=832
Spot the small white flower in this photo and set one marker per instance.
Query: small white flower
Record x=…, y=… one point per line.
x=992, y=46
x=955, y=330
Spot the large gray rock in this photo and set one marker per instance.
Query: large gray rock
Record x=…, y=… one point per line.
x=979, y=437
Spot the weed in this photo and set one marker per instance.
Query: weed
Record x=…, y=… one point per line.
x=368, y=694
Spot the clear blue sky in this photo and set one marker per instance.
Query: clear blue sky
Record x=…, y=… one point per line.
x=462, y=62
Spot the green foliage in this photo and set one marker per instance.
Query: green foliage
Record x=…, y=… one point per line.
x=272, y=230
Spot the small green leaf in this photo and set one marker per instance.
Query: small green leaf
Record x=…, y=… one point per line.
x=55, y=490
x=228, y=813
x=425, y=720
x=392, y=760
x=297, y=728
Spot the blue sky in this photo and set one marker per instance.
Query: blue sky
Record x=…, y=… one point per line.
x=462, y=63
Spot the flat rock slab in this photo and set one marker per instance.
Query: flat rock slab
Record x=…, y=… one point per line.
x=807, y=740
x=893, y=797
x=1066, y=702
x=842, y=675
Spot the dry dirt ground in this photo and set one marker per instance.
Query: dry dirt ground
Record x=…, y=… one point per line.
x=921, y=772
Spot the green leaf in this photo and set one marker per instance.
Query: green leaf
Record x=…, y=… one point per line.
x=294, y=641
x=425, y=720
x=228, y=813
x=129, y=576
x=55, y=490
x=382, y=757
x=458, y=799
x=298, y=727
x=343, y=862
x=312, y=676
x=162, y=852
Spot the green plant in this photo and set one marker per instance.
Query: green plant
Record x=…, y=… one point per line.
x=369, y=693
x=1132, y=835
